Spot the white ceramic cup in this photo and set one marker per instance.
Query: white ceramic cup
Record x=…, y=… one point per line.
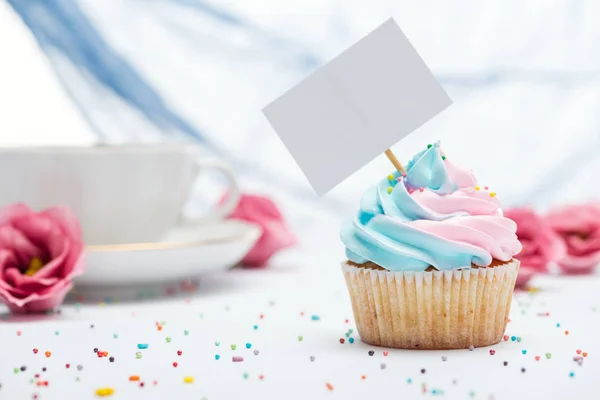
x=121, y=194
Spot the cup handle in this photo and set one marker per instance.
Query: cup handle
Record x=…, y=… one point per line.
x=231, y=201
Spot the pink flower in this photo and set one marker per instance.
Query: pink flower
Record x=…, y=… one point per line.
x=275, y=236
x=40, y=253
x=579, y=227
x=541, y=245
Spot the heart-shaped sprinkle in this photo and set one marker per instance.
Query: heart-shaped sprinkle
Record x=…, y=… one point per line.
x=385, y=353
x=312, y=358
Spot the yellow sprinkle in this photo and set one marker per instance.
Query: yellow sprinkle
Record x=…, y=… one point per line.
x=102, y=392
x=492, y=194
x=391, y=177
x=390, y=189
x=188, y=379
x=477, y=188
x=35, y=265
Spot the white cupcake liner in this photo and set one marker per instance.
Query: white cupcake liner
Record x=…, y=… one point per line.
x=431, y=310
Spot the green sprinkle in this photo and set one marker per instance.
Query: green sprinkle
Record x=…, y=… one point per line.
x=168, y=339
x=347, y=334
x=56, y=333
x=245, y=375
x=163, y=323
x=16, y=370
x=201, y=315
x=233, y=347
x=300, y=338
x=548, y=355
x=518, y=338
x=115, y=335
x=429, y=145
x=186, y=332
x=217, y=343
x=443, y=157
x=138, y=355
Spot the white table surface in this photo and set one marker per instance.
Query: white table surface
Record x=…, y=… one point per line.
x=226, y=307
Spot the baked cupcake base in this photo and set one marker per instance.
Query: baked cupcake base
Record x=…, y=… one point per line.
x=431, y=309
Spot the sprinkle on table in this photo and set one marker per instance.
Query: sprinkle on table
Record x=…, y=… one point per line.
x=103, y=392
x=188, y=379
x=233, y=347
x=351, y=340
x=329, y=386
x=237, y=359
x=142, y=346
x=248, y=345
x=300, y=338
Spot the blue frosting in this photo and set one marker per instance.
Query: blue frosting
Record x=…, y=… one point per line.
x=378, y=233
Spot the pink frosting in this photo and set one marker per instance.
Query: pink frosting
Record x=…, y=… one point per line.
x=469, y=200
x=495, y=234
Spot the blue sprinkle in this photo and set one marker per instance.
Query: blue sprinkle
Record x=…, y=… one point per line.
x=513, y=338
x=557, y=325
x=255, y=327
x=409, y=380
x=248, y=345
x=217, y=356
x=524, y=351
x=315, y=318
x=142, y=346
x=351, y=340
x=571, y=374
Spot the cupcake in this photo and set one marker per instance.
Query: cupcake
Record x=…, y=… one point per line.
x=430, y=259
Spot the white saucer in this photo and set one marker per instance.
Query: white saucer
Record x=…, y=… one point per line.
x=185, y=252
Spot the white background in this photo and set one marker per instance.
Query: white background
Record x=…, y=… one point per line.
x=524, y=76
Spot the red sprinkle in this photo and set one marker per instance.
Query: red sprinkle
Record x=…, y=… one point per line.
x=385, y=353
x=45, y=383
x=485, y=187
x=329, y=386
x=347, y=321
x=261, y=316
x=175, y=364
x=261, y=377
x=141, y=384
x=537, y=358
x=342, y=340
x=505, y=338
x=179, y=352
x=68, y=365
x=578, y=351
x=19, y=333
x=492, y=352
x=421, y=189
x=35, y=351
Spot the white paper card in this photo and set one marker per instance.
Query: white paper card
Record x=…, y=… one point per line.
x=355, y=107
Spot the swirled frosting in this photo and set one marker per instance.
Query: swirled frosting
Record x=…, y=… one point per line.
x=435, y=215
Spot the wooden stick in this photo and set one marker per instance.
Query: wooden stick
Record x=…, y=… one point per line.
x=395, y=161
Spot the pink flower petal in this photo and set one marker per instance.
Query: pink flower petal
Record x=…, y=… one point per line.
x=19, y=244
x=14, y=211
x=275, y=234
x=66, y=220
